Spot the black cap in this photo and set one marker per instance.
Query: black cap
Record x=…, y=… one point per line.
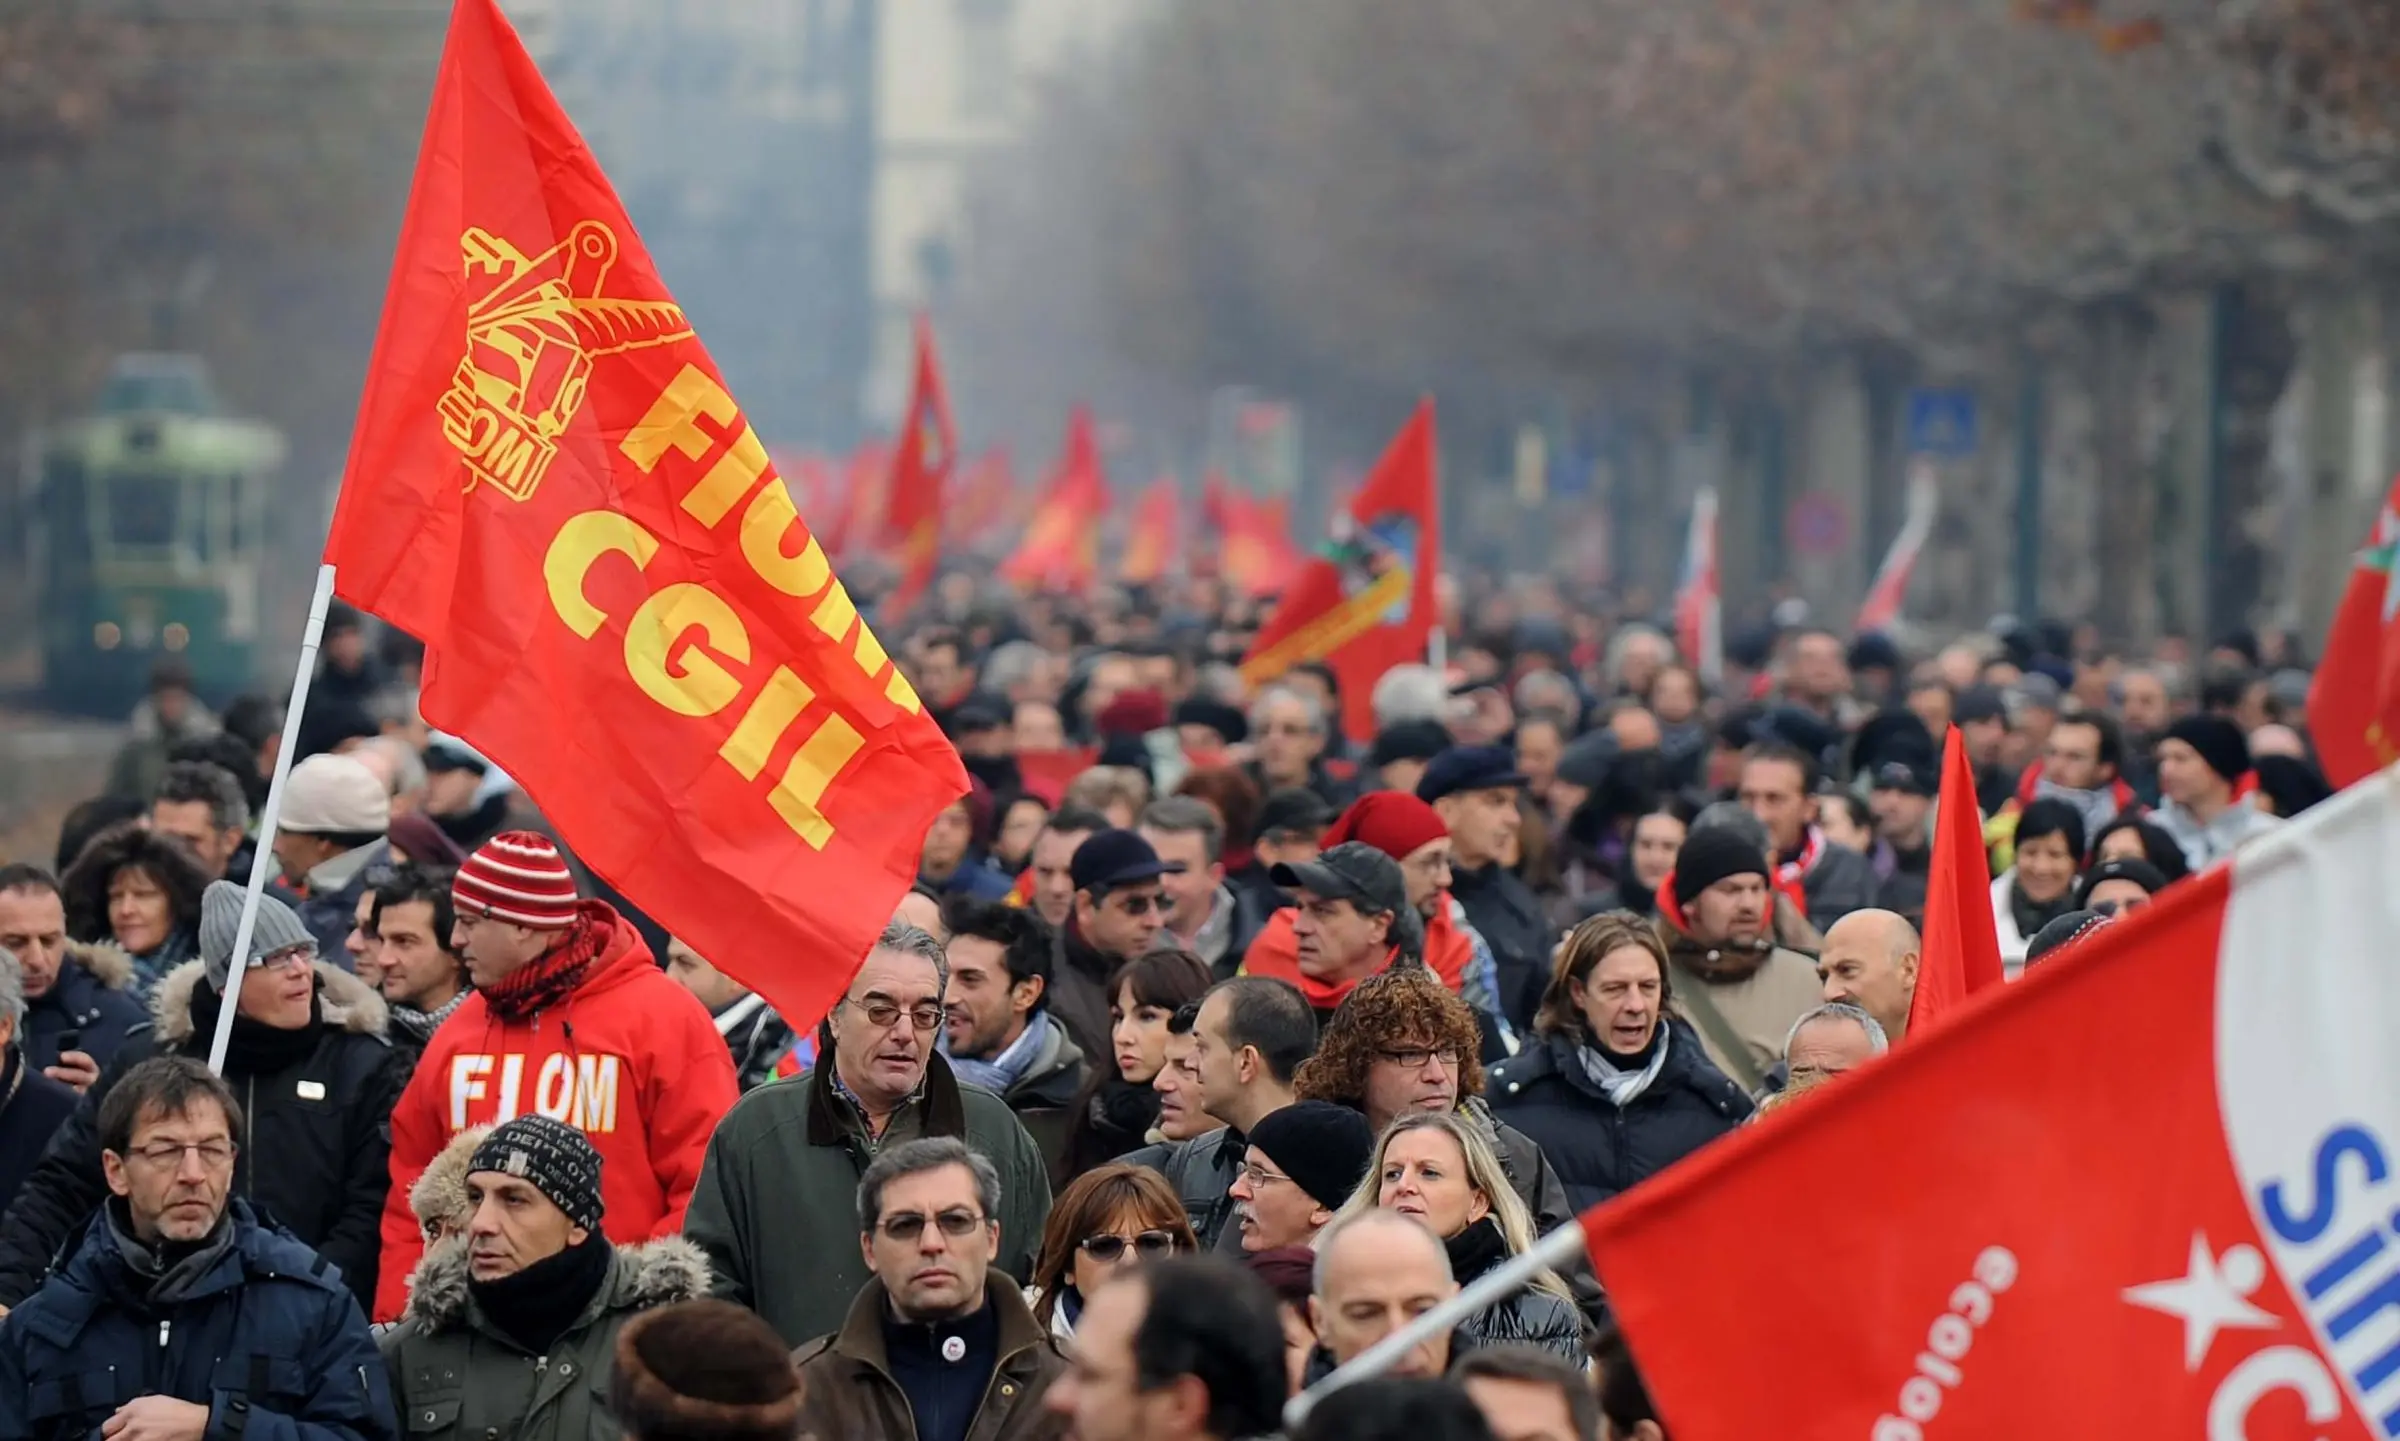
x=1875, y=651
x=2218, y=741
x=2149, y=877
x=1910, y=776
x=977, y=715
x=1352, y=871
x=1112, y=858
x=2065, y=930
x=1416, y=740
x=1469, y=768
x=1979, y=703
x=1711, y=854
x=1292, y=810
x=1224, y=719
x=1325, y=1148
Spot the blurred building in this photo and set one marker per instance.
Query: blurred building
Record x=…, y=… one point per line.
x=957, y=81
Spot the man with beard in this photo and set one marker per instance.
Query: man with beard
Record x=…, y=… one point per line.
x=1727, y=976
x=1001, y=1033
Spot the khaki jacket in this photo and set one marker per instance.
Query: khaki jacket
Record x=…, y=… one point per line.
x=850, y=1393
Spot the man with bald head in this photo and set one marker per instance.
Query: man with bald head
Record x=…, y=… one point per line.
x=1870, y=959
x=1375, y=1273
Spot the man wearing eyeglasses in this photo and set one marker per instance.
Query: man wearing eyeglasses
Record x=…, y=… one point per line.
x=1119, y=909
x=178, y=1314
x=937, y=1345
x=777, y=1205
x=1301, y=1165
x=311, y=1057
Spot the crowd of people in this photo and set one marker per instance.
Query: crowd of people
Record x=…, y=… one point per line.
x=1210, y=1048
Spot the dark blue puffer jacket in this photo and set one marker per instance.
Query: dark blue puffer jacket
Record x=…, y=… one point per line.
x=269, y=1339
x=1598, y=1148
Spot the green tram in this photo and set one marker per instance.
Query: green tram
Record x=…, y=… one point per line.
x=147, y=526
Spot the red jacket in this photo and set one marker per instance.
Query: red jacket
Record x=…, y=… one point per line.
x=629, y=1056
x=1276, y=954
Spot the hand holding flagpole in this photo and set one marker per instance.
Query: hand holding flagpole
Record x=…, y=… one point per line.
x=263, y=854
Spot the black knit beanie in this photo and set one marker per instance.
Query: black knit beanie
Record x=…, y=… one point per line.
x=1325, y=1148
x=1711, y=854
x=2219, y=742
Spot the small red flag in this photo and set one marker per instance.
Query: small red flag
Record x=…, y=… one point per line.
x=986, y=494
x=1366, y=602
x=1061, y=547
x=1255, y=551
x=2354, y=703
x=1962, y=937
x=1152, y=542
x=550, y=486
x=922, y=459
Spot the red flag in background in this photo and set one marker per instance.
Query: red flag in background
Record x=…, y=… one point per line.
x=854, y=521
x=1061, y=548
x=1154, y=539
x=1961, y=953
x=1366, y=602
x=1255, y=552
x=550, y=486
x=1699, y=611
x=922, y=459
x=985, y=496
x=2354, y=703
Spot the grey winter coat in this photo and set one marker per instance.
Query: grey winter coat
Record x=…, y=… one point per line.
x=455, y=1376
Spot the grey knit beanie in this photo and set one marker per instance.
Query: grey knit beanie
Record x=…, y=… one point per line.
x=277, y=929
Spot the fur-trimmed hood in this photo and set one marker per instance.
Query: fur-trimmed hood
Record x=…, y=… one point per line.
x=105, y=961
x=345, y=1000
x=642, y=1276
x=440, y=1193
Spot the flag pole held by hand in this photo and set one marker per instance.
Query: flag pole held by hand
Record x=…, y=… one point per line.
x=263, y=855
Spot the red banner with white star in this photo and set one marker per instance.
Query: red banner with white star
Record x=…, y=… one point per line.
x=2150, y=1190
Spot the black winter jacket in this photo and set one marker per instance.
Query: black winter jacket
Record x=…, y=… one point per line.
x=32, y=1108
x=1509, y=916
x=317, y=1159
x=94, y=997
x=1600, y=1150
x=267, y=1338
x=1525, y=1317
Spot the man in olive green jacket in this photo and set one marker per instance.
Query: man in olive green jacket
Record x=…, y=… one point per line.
x=512, y=1326
x=776, y=1209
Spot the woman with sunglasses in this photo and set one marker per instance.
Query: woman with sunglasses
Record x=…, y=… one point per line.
x=1112, y=1218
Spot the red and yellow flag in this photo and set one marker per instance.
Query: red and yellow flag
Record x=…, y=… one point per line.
x=1152, y=542
x=1061, y=549
x=1255, y=553
x=550, y=486
x=921, y=463
x=1366, y=602
x=986, y=495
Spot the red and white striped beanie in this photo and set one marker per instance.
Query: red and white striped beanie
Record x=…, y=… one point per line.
x=518, y=877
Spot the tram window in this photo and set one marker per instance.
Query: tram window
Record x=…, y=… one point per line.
x=141, y=511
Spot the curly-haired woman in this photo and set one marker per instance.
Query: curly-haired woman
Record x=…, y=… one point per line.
x=1112, y=1218
x=140, y=889
x=1614, y=1088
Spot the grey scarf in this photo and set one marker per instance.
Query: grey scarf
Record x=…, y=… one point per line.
x=170, y=1269
x=1623, y=1085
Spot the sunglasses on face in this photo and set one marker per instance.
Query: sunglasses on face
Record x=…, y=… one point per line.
x=1148, y=1245
x=1140, y=905
x=909, y=1225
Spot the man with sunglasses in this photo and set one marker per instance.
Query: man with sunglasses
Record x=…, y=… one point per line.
x=777, y=1205
x=938, y=1345
x=1120, y=907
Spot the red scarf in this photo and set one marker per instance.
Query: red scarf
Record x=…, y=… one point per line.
x=541, y=984
x=1791, y=876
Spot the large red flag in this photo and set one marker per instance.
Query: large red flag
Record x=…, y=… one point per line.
x=1061, y=549
x=1366, y=603
x=2144, y=1192
x=1961, y=953
x=922, y=458
x=1152, y=541
x=2354, y=704
x=550, y=486
x=1255, y=551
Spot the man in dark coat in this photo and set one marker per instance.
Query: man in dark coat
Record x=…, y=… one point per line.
x=308, y=1051
x=180, y=1312
x=1474, y=790
x=80, y=1002
x=32, y=1106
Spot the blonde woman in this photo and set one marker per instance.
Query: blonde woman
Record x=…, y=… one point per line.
x=1438, y=1169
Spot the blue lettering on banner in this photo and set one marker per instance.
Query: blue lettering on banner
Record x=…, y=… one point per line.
x=2359, y=1281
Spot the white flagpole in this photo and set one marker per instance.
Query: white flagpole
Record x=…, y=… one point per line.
x=264, y=854
x=1552, y=1252
x=1437, y=648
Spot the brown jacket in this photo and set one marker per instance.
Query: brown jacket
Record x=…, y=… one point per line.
x=851, y=1394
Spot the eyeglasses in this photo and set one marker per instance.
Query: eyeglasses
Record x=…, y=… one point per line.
x=1140, y=905
x=167, y=1156
x=1413, y=1058
x=1259, y=1176
x=909, y=1225
x=882, y=1014
x=1148, y=1245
